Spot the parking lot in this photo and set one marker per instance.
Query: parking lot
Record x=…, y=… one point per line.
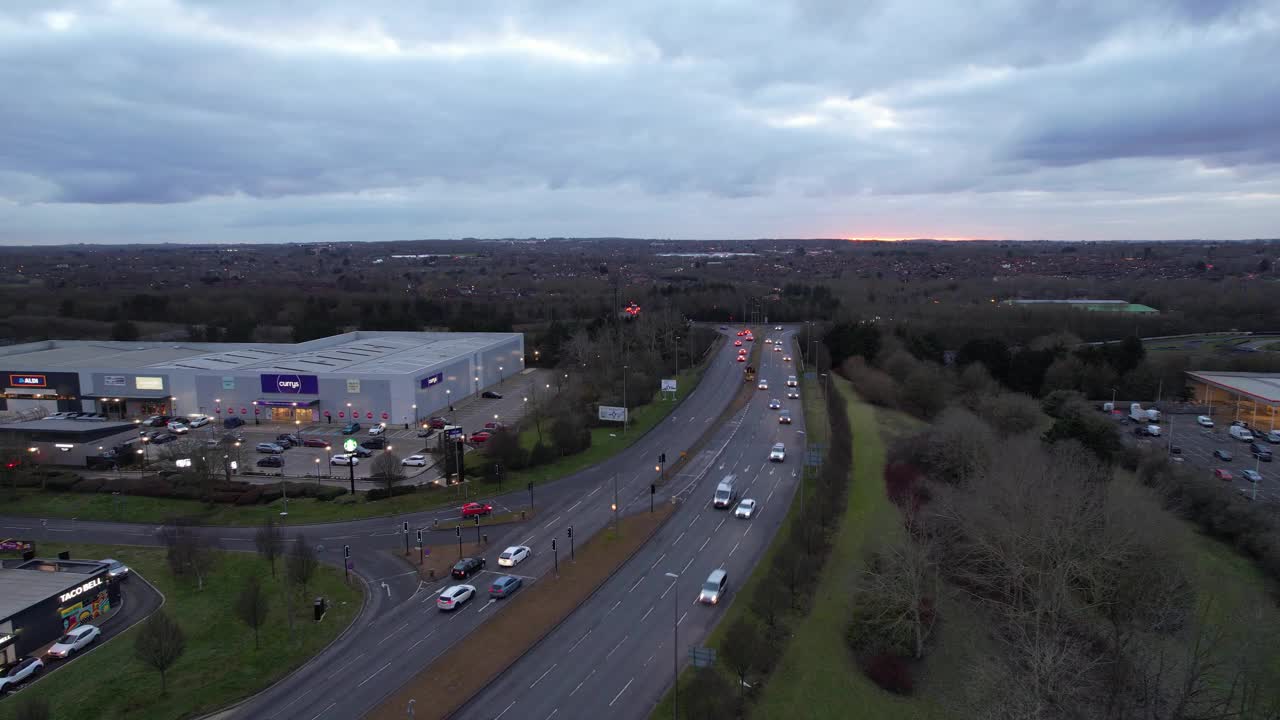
x=1197, y=445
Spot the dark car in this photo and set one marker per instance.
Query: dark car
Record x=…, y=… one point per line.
x=163, y=438
x=1223, y=455
x=491, y=395
x=288, y=440
x=437, y=422
x=350, y=428
x=232, y=422
x=274, y=461
x=362, y=452
x=466, y=567
x=1260, y=451
x=315, y=442
x=426, y=432
x=374, y=443
x=504, y=586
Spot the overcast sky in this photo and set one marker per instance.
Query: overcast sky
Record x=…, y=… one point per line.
x=303, y=120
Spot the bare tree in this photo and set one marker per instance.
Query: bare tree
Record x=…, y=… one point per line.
x=899, y=592
x=386, y=467
x=739, y=649
x=252, y=605
x=302, y=563
x=159, y=643
x=188, y=552
x=270, y=542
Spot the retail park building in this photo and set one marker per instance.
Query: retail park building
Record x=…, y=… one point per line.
x=368, y=376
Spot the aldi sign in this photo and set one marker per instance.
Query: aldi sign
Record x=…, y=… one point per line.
x=291, y=384
x=27, y=381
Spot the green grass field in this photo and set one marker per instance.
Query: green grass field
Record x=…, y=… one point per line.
x=220, y=664
x=605, y=442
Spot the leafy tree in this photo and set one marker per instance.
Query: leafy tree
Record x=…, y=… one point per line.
x=503, y=446
x=849, y=339
x=270, y=542
x=1095, y=433
x=252, y=605
x=159, y=643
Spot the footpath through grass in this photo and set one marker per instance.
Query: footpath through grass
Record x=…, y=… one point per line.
x=605, y=442
x=817, y=677
x=220, y=664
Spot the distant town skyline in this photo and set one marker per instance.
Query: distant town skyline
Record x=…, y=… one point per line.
x=201, y=121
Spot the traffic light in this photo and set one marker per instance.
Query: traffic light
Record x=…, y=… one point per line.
x=553, y=545
x=571, y=531
x=653, y=488
x=662, y=458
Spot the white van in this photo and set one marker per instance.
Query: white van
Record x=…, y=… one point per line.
x=713, y=588
x=726, y=491
x=1204, y=421
x=1241, y=434
x=791, y=381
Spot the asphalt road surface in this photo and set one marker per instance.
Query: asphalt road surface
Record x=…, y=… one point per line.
x=399, y=631
x=614, y=656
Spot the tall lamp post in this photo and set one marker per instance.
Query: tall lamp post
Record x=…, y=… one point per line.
x=625, y=414
x=675, y=646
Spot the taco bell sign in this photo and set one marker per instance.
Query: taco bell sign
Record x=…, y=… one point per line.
x=290, y=384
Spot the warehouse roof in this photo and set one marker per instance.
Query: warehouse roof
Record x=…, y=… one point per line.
x=1263, y=387
x=20, y=588
x=368, y=352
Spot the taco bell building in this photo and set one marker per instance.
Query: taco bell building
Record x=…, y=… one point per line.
x=393, y=377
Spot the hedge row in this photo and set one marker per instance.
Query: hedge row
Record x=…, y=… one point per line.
x=177, y=485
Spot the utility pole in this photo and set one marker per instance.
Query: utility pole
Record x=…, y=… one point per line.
x=571, y=555
x=615, y=502
x=555, y=555
x=458, y=531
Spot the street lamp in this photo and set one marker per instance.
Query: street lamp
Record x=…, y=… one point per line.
x=625, y=414
x=173, y=404
x=327, y=448
x=675, y=645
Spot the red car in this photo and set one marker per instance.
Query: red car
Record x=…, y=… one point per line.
x=750, y=339
x=437, y=423
x=491, y=426
x=741, y=333
x=472, y=509
x=742, y=358
x=737, y=343
x=1222, y=474
x=480, y=437
x=314, y=442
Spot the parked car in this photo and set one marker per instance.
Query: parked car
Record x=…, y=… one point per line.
x=315, y=442
x=163, y=438
x=1204, y=421
x=491, y=395
x=77, y=638
x=115, y=569
x=514, y=555
x=1222, y=474
x=1252, y=476
x=344, y=459
x=374, y=443
x=232, y=422
x=362, y=452
x=178, y=428
x=466, y=567
x=378, y=428
x=1224, y=455
x=472, y=509
x=155, y=421
x=493, y=426
x=437, y=423
x=19, y=672
x=746, y=508
x=426, y=431
x=1260, y=451
x=504, y=585
x=1273, y=436
x=269, y=447
x=64, y=415
x=453, y=597
x=271, y=461
x=778, y=453
x=287, y=440
x=480, y=437
x=415, y=461
x=350, y=428
x=198, y=421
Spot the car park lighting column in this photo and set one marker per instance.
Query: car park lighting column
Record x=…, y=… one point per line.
x=675, y=646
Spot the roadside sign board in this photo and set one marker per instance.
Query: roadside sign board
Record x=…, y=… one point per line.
x=810, y=375
x=669, y=385
x=702, y=656
x=614, y=414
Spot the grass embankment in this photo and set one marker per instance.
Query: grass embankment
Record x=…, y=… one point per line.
x=466, y=668
x=817, y=676
x=220, y=664
x=605, y=442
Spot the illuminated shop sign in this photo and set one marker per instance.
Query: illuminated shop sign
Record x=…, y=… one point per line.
x=28, y=381
x=148, y=383
x=431, y=380
x=6, y=639
x=77, y=591
x=292, y=384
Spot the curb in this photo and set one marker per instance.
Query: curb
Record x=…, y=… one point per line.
x=534, y=645
x=364, y=601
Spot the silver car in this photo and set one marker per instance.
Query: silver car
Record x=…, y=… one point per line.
x=77, y=638
x=745, y=509
x=778, y=453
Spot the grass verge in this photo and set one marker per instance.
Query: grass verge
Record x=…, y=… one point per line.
x=220, y=664
x=466, y=668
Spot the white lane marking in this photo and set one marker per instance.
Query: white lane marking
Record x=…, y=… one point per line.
x=682, y=617
x=593, y=492
x=704, y=543
x=424, y=639
x=504, y=711
x=553, y=713
x=638, y=581
x=543, y=675
x=646, y=662
x=646, y=613
x=744, y=532
x=735, y=548
x=624, y=689
x=615, y=607
x=770, y=495
x=686, y=566
x=615, y=647
x=678, y=539
x=695, y=519
x=393, y=633
x=324, y=710
x=553, y=522
x=692, y=419
x=721, y=523
x=571, y=507
x=375, y=673
x=527, y=540
x=664, y=592
x=579, y=687
x=345, y=664
x=655, y=562
x=584, y=637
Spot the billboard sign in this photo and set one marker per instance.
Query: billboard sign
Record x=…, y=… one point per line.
x=353, y=386
x=291, y=384
x=615, y=414
x=28, y=381
x=669, y=385
x=432, y=380
x=114, y=381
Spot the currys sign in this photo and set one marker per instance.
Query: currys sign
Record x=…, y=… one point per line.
x=432, y=380
x=290, y=384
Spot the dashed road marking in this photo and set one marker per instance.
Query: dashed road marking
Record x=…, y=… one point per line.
x=624, y=689
x=543, y=675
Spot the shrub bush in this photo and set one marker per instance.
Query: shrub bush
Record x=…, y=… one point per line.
x=249, y=497
x=382, y=494
x=326, y=494
x=541, y=454
x=889, y=672
x=60, y=481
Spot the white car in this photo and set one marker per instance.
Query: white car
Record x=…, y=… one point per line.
x=745, y=509
x=775, y=404
x=1204, y=421
x=178, y=428
x=514, y=555
x=344, y=459
x=415, y=461
x=764, y=385
x=778, y=453
x=197, y=421
x=777, y=327
x=378, y=429
x=786, y=358
x=77, y=638
x=1273, y=436
x=777, y=348
x=454, y=596
x=18, y=672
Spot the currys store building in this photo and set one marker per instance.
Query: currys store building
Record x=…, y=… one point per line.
x=393, y=377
